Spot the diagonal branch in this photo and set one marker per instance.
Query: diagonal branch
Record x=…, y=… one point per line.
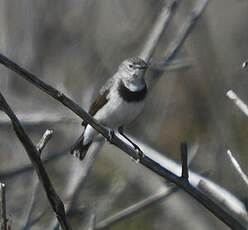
x=238, y=102
x=33, y=155
x=133, y=209
x=157, y=30
x=207, y=189
x=183, y=33
x=146, y=161
x=237, y=167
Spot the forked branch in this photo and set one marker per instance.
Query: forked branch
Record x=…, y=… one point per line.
x=33, y=155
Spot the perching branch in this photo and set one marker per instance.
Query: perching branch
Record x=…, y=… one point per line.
x=3, y=216
x=237, y=167
x=218, y=211
x=33, y=155
x=207, y=189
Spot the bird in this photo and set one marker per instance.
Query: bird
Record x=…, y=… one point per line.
x=118, y=103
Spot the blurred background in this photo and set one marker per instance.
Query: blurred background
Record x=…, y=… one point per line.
x=76, y=46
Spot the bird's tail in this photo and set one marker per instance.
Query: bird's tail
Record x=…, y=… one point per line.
x=79, y=149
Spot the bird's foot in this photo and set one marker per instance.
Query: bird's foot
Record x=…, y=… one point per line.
x=139, y=153
x=111, y=133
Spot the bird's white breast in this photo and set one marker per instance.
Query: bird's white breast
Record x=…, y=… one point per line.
x=117, y=112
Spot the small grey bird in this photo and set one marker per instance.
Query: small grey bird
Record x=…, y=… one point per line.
x=118, y=103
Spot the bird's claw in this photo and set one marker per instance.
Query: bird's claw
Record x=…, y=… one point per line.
x=77, y=154
x=111, y=133
x=139, y=153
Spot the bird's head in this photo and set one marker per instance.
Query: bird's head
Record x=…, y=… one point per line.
x=132, y=72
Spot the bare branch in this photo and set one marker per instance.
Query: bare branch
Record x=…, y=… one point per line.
x=135, y=208
x=238, y=102
x=33, y=154
x=183, y=33
x=218, y=211
x=237, y=167
x=184, y=160
x=3, y=217
x=40, y=146
x=207, y=189
x=157, y=30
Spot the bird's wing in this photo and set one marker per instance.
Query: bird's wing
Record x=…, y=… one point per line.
x=101, y=99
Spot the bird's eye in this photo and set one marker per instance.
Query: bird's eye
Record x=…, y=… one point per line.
x=130, y=66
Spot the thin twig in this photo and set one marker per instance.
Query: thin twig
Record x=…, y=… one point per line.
x=135, y=208
x=157, y=30
x=44, y=140
x=238, y=102
x=3, y=216
x=183, y=33
x=237, y=167
x=184, y=161
x=218, y=211
x=33, y=154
